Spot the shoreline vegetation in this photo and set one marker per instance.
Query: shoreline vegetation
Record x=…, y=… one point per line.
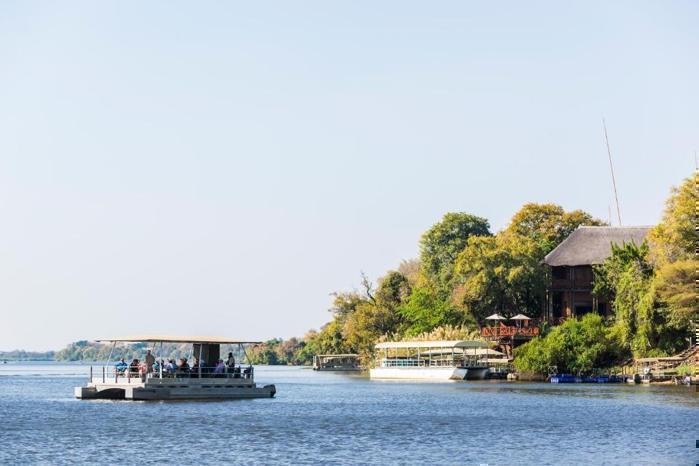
x=465, y=272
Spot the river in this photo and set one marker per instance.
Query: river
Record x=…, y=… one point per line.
x=326, y=418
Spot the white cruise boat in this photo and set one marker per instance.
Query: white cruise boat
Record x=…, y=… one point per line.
x=202, y=381
x=431, y=360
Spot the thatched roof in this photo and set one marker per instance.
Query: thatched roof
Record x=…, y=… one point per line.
x=592, y=245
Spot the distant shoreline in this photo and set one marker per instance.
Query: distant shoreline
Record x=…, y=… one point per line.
x=22, y=356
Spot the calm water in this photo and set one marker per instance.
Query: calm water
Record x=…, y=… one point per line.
x=332, y=419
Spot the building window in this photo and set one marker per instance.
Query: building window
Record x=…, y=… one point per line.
x=560, y=273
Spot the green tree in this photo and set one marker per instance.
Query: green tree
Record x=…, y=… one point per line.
x=678, y=303
x=673, y=251
x=500, y=273
x=676, y=287
x=330, y=339
x=625, y=278
x=578, y=346
x=426, y=310
x=675, y=238
x=369, y=322
x=394, y=289
x=441, y=245
x=548, y=224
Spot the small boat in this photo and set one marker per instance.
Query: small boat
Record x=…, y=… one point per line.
x=432, y=360
x=199, y=383
x=569, y=378
x=565, y=378
x=336, y=362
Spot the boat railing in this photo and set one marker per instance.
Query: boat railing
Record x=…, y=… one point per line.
x=431, y=363
x=114, y=374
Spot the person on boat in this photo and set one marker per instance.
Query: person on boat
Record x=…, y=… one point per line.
x=133, y=367
x=121, y=367
x=183, y=367
x=150, y=360
x=230, y=362
x=220, y=368
x=196, y=366
x=171, y=366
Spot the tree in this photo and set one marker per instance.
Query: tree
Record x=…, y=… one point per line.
x=673, y=251
x=367, y=324
x=330, y=339
x=378, y=316
x=410, y=269
x=675, y=238
x=345, y=303
x=578, y=346
x=394, y=289
x=441, y=245
x=678, y=301
x=500, y=273
x=548, y=224
x=426, y=310
x=625, y=278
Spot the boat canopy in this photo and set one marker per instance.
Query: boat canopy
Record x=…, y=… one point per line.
x=432, y=344
x=178, y=339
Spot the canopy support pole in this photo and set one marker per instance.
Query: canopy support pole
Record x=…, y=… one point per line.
x=199, y=359
x=111, y=351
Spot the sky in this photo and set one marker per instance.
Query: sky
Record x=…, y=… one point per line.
x=221, y=168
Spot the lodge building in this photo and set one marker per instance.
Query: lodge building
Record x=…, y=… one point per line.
x=570, y=286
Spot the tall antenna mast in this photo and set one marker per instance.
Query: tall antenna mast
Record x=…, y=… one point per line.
x=611, y=168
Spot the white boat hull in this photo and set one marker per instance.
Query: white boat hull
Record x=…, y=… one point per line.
x=175, y=389
x=418, y=373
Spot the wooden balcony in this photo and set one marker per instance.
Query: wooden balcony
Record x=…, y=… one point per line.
x=502, y=330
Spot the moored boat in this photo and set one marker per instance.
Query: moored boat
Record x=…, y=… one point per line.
x=336, y=362
x=431, y=360
x=208, y=379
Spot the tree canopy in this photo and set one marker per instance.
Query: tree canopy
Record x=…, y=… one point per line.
x=578, y=346
x=548, y=224
x=445, y=240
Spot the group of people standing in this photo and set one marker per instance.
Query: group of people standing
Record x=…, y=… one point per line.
x=179, y=368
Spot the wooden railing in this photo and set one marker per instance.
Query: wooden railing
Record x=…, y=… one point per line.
x=502, y=330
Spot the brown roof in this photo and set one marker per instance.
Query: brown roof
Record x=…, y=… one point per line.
x=592, y=245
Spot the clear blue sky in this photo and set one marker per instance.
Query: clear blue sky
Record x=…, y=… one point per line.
x=221, y=167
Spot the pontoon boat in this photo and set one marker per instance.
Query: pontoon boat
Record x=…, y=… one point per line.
x=200, y=382
x=434, y=360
